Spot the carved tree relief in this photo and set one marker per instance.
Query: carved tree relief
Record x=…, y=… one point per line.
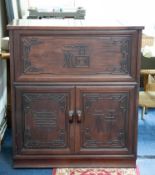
x=104, y=120
x=42, y=128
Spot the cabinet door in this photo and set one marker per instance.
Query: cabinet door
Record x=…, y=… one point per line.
x=43, y=120
x=106, y=120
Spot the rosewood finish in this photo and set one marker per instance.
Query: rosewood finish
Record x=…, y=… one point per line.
x=74, y=95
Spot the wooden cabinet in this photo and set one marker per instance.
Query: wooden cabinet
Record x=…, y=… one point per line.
x=74, y=95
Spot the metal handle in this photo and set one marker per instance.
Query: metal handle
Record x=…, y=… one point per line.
x=71, y=115
x=79, y=116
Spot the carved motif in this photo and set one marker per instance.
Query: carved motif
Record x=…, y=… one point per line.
x=105, y=119
x=28, y=98
x=60, y=142
x=116, y=45
x=125, y=51
x=43, y=119
x=76, y=56
x=28, y=43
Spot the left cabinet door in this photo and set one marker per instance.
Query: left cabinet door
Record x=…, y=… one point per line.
x=44, y=120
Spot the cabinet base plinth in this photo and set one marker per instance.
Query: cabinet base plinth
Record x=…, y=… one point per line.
x=74, y=163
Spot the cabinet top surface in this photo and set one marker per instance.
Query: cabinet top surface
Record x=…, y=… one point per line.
x=67, y=24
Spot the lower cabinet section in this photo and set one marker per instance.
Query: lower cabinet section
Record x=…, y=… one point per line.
x=75, y=126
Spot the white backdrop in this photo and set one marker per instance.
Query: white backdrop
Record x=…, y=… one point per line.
x=124, y=12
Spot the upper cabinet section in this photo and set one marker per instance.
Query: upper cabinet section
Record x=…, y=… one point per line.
x=76, y=54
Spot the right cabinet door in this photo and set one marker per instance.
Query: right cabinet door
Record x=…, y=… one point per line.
x=106, y=120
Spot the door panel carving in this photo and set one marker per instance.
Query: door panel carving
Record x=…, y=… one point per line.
x=107, y=114
x=105, y=117
x=45, y=118
x=43, y=114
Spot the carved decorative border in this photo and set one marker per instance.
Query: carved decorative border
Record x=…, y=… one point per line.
x=108, y=116
x=28, y=43
x=125, y=50
x=77, y=56
x=28, y=99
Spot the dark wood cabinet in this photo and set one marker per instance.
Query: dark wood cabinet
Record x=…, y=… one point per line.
x=74, y=95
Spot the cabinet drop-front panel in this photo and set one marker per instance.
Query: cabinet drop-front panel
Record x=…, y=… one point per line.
x=43, y=121
x=105, y=120
x=83, y=57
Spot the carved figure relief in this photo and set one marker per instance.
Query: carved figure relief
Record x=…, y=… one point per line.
x=76, y=56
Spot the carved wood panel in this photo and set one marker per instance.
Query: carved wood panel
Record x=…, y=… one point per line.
x=80, y=56
x=107, y=113
x=105, y=117
x=44, y=115
x=77, y=53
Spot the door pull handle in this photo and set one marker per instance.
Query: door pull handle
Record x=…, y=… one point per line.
x=79, y=116
x=71, y=116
